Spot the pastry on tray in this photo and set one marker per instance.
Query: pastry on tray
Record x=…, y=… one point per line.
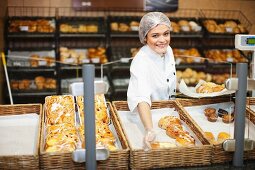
x=209, y=87
x=158, y=145
x=185, y=140
x=165, y=121
x=222, y=136
x=210, y=136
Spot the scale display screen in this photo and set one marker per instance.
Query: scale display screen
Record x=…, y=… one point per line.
x=251, y=41
x=245, y=42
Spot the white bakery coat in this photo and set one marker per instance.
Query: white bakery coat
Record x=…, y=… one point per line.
x=152, y=77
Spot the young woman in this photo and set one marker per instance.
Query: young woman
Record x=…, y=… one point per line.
x=153, y=73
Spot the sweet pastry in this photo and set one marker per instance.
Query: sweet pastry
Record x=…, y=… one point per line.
x=222, y=136
x=165, y=121
x=159, y=145
x=212, y=118
x=210, y=136
x=34, y=60
x=209, y=87
x=185, y=140
x=228, y=118
x=209, y=111
x=222, y=112
x=175, y=130
x=114, y=26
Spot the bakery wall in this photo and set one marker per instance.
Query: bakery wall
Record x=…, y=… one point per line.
x=3, y=5
x=246, y=6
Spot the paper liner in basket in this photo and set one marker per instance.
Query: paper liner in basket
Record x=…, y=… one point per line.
x=191, y=91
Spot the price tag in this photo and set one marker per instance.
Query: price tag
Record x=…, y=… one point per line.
x=124, y=60
x=229, y=29
x=23, y=28
x=16, y=63
x=185, y=28
x=42, y=63
x=230, y=59
x=197, y=60
x=69, y=60
x=85, y=60
x=95, y=60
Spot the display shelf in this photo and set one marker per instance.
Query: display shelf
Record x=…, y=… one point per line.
x=31, y=70
x=34, y=93
x=78, y=35
x=224, y=23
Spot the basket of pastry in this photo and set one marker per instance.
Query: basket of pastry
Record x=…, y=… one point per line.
x=186, y=26
x=178, y=142
x=20, y=127
x=187, y=56
x=215, y=119
x=32, y=25
x=224, y=26
x=63, y=133
x=81, y=25
x=124, y=24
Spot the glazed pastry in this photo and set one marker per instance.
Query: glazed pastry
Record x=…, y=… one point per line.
x=222, y=136
x=222, y=112
x=212, y=118
x=175, y=130
x=209, y=111
x=209, y=87
x=164, y=122
x=158, y=145
x=210, y=136
x=185, y=140
x=228, y=118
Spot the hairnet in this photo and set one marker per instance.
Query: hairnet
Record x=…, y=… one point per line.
x=151, y=20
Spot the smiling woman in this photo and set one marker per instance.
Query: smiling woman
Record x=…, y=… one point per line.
x=153, y=73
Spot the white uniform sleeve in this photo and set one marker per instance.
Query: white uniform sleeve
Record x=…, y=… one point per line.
x=139, y=89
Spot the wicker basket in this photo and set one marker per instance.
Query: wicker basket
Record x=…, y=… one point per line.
x=117, y=160
x=218, y=154
x=170, y=157
x=21, y=161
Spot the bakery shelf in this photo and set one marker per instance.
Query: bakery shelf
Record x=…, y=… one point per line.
x=79, y=35
x=220, y=17
x=29, y=69
x=45, y=35
x=34, y=93
x=194, y=66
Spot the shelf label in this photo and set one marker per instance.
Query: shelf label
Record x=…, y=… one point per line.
x=23, y=28
x=95, y=60
x=17, y=63
x=230, y=59
x=85, y=61
x=42, y=63
x=125, y=60
x=229, y=29
x=69, y=60
x=197, y=60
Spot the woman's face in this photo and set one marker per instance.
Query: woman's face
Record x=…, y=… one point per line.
x=158, y=39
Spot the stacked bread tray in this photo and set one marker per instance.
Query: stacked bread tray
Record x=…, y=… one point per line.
x=51, y=157
x=20, y=118
x=195, y=110
x=162, y=157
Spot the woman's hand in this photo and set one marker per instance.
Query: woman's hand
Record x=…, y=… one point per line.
x=149, y=137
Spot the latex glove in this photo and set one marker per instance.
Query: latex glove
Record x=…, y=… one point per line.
x=149, y=137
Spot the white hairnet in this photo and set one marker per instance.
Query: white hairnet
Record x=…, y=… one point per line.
x=151, y=20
